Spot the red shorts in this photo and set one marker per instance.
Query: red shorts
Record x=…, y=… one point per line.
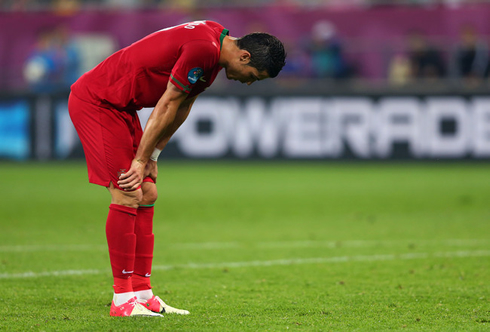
x=109, y=137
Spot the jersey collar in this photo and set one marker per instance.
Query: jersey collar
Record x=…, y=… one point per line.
x=224, y=33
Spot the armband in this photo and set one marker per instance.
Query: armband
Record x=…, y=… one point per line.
x=155, y=154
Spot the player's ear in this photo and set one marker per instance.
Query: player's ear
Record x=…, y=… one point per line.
x=244, y=57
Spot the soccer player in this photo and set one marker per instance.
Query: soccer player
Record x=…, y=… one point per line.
x=165, y=70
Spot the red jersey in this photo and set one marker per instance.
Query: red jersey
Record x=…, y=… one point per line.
x=137, y=76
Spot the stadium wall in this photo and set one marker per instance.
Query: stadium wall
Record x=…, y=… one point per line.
x=359, y=127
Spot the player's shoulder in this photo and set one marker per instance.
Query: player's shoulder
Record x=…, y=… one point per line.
x=212, y=27
x=208, y=34
x=220, y=30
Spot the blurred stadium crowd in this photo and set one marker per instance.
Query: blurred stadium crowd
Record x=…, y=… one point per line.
x=15, y=5
x=57, y=59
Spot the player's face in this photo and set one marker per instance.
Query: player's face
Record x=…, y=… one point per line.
x=241, y=71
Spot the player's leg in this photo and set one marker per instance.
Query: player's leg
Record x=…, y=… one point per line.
x=121, y=239
x=144, y=253
x=144, y=239
x=108, y=145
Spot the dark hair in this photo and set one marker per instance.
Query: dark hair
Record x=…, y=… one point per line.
x=266, y=52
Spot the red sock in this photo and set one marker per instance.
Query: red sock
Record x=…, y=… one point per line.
x=122, y=242
x=144, y=248
x=122, y=285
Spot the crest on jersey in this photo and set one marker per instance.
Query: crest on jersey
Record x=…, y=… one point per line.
x=195, y=74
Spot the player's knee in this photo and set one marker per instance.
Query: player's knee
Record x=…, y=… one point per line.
x=132, y=198
x=150, y=194
x=127, y=198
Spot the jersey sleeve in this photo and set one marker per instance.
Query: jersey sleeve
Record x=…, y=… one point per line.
x=196, y=58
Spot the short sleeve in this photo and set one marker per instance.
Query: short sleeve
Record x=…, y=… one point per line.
x=196, y=58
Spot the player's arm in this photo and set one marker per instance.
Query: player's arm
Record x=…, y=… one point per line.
x=160, y=125
x=180, y=117
x=182, y=113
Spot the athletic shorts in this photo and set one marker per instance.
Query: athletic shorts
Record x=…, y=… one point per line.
x=109, y=138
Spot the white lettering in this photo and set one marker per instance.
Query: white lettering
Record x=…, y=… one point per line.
x=316, y=127
x=192, y=25
x=454, y=142
x=397, y=121
x=203, y=134
x=304, y=128
x=481, y=125
x=353, y=125
x=255, y=125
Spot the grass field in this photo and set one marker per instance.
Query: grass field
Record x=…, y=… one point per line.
x=257, y=247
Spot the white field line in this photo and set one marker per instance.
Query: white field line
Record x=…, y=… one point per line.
x=260, y=245
x=293, y=261
x=52, y=247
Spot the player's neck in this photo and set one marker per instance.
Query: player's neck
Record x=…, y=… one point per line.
x=228, y=50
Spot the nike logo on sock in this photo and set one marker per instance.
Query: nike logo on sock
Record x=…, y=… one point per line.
x=126, y=272
x=148, y=275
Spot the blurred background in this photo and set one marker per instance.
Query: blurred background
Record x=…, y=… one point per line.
x=365, y=79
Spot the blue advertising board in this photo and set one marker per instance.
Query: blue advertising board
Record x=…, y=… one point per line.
x=15, y=141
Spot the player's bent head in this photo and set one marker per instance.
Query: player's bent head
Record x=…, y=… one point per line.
x=266, y=52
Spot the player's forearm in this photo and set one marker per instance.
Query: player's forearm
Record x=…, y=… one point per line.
x=157, y=126
x=166, y=134
x=163, y=143
x=180, y=117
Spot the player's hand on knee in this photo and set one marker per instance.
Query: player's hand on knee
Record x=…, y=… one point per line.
x=151, y=170
x=133, y=178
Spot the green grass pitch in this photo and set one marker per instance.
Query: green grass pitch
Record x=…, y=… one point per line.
x=257, y=247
